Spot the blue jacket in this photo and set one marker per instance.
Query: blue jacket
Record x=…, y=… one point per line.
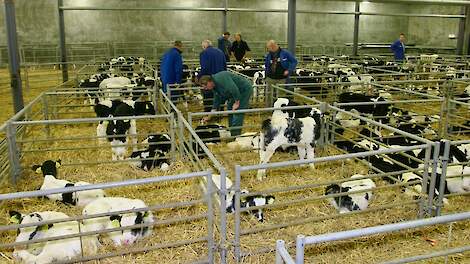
x=212, y=61
x=171, y=67
x=288, y=61
x=398, y=50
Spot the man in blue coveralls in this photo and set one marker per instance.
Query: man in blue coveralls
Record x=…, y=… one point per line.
x=171, y=68
x=212, y=61
x=398, y=48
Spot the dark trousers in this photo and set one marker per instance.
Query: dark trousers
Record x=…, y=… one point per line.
x=208, y=100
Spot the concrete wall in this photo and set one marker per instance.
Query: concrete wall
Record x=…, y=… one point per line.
x=434, y=31
x=37, y=22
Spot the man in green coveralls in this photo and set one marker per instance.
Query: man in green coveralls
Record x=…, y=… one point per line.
x=233, y=89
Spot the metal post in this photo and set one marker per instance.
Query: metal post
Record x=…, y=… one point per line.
x=210, y=218
x=237, y=214
x=63, y=50
x=466, y=39
x=461, y=34
x=13, y=154
x=291, y=25
x=26, y=79
x=300, y=249
x=223, y=216
x=432, y=182
x=279, y=244
x=224, y=15
x=13, y=56
x=424, y=182
x=445, y=160
x=172, y=136
x=356, y=28
x=45, y=111
x=181, y=135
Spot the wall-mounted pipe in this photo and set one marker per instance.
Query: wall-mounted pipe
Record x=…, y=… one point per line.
x=257, y=10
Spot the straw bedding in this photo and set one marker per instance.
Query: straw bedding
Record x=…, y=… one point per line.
x=359, y=251
x=41, y=79
x=323, y=173
x=152, y=194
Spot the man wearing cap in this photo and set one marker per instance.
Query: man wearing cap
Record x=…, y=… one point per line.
x=171, y=67
x=212, y=61
x=225, y=45
x=233, y=89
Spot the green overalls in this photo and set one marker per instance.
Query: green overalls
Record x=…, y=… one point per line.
x=230, y=87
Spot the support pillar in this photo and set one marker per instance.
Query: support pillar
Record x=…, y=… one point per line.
x=13, y=56
x=291, y=25
x=63, y=50
x=356, y=29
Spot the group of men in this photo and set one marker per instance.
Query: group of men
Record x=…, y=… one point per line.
x=237, y=49
x=221, y=86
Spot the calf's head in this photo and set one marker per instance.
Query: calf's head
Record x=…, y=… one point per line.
x=129, y=236
x=30, y=232
x=48, y=167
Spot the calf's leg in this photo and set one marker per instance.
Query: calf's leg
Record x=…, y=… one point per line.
x=265, y=159
x=310, y=154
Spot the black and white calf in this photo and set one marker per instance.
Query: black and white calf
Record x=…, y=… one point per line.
x=245, y=202
x=54, y=250
x=49, y=170
x=111, y=87
x=380, y=109
x=283, y=130
x=118, y=131
x=210, y=134
x=354, y=201
x=155, y=156
x=457, y=179
x=116, y=204
x=255, y=201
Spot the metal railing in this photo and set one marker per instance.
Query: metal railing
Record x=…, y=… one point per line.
x=165, y=222
x=282, y=256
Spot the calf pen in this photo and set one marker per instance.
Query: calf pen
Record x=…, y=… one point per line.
x=454, y=221
x=54, y=131
x=298, y=190
x=182, y=228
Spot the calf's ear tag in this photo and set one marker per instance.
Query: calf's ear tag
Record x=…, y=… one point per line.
x=44, y=227
x=38, y=170
x=115, y=223
x=146, y=214
x=15, y=219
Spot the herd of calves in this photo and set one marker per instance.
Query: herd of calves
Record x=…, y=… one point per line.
x=286, y=129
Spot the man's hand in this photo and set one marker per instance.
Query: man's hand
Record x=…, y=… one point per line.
x=286, y=72
x=236, y=105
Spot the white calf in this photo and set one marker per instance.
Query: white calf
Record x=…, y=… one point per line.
x=54, y=250
x=114, y=204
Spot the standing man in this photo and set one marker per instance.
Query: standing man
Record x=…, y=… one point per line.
x=279, y=65
x=398, y=48
x=224, y=45
x=233, y=89
x=171, y=68
x=212, y=61
x=239, y=48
